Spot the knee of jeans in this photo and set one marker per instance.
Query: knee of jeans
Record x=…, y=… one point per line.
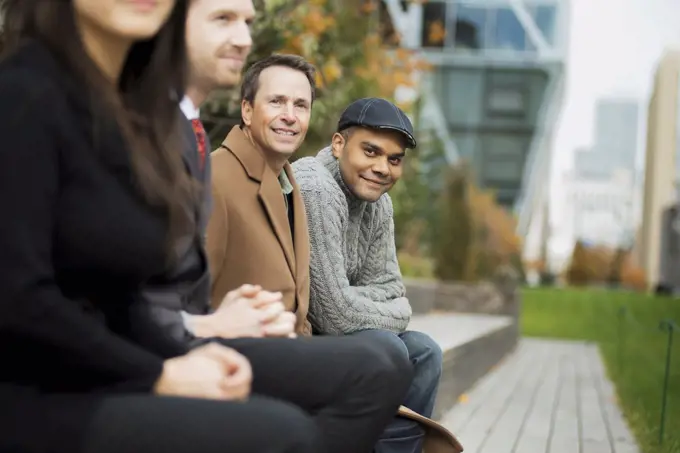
x=388, y=355
x=425, y=353
x=387, y=342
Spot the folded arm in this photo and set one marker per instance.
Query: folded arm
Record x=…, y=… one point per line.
x=336, y=306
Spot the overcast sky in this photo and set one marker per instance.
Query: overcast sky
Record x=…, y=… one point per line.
x=614, y=48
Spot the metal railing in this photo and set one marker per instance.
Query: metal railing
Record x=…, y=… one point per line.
x=666, y=327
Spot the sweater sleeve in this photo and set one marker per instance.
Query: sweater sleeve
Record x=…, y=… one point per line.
x=336, y=306
x=32, y=307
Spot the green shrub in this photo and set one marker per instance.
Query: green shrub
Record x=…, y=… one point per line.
x=453, y=230
x=415, y=266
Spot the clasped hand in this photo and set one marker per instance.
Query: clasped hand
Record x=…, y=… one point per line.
x=210, y=371
x=215, y=371
x=249, y=312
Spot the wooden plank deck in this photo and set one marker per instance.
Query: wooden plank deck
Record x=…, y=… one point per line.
x=546, y=397
x=471, y=345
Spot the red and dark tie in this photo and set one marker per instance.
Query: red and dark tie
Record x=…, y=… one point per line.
x=199, y=131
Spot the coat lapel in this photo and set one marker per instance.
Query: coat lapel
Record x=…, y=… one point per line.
x=301, y=238
x=269, y=194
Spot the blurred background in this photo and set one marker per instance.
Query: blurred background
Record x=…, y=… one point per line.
x=545, y=187
x=539, y=122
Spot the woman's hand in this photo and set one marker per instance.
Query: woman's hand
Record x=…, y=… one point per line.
x=211, y=371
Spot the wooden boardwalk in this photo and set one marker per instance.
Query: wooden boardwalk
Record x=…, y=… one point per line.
x=547, y=397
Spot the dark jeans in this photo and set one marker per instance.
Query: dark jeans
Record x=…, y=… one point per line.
x=352, y=389
x=33, y=422
x=330, y=395
x=144, y=424
x=402, y=435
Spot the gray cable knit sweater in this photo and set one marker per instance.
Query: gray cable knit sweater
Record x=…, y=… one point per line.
x=355, y=283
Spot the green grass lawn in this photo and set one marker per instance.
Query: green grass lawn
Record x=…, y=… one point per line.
x=593, y=315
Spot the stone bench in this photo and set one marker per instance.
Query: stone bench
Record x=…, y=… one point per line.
x=472, y=344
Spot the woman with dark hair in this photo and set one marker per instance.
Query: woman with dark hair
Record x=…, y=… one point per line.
x=95, y=196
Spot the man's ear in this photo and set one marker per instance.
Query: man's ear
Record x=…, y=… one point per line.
x=246, y=112
x=337, y=144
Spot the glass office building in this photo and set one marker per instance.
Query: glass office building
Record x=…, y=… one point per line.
x=496, y=88
x=617, y=124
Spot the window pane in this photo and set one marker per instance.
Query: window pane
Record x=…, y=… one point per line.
x=503, y=146
x=502, y=172
x=506, y=197
x=508, y=32
x=461, y=94
x=434, y=16
x=467, y=143
x=544, y=16
x=506, y=102
x=470, y=25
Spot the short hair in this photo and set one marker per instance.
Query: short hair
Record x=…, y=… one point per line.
x=251, y=79
x=347, y=133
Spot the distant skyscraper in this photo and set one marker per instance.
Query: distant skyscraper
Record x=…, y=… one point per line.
x=617, y=124
x=616, y=140
x=603, y=185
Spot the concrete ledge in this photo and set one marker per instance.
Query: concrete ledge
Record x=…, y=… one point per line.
x=492, y=298
x=472, y=345
x=421, y=294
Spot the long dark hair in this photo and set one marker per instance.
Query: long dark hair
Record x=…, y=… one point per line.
x=144, y=105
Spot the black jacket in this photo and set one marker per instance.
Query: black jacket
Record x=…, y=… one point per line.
x=77, y=241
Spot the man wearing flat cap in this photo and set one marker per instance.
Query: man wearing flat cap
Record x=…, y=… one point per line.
x=356, y=285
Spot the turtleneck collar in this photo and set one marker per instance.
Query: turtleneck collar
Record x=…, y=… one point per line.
x=331, y=163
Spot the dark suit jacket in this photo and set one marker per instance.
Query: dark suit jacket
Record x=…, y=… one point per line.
x=185, y=286
x=249, y=238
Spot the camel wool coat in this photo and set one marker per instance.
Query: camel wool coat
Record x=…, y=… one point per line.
x=249, y=239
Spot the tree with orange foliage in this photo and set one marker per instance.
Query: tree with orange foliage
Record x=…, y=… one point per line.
x=614, y=276
x=496, y=241
x=591, y=265
x=343, y=41
x=632, y=276
x=475, y=237
x=578, y=273
x=453, y=237
x=537, y=265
